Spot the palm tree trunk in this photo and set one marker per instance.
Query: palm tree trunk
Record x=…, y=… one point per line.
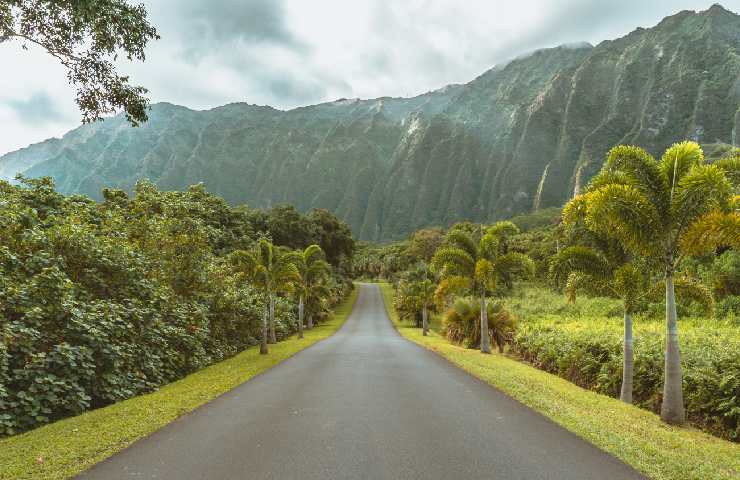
x=485, y=341
x=310, y=321
x=263, y=340
x=425, y=320
x=629, y=361
x=672, y=411
x=273, y=338
x=300, y=317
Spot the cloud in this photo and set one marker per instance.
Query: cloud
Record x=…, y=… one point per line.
x=37, y=109
x=289, y=53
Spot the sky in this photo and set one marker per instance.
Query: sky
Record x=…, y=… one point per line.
x=289, y=53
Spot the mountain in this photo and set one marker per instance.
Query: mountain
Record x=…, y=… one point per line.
x=522, y=136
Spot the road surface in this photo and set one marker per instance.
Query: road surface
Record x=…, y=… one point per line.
x=363, y=404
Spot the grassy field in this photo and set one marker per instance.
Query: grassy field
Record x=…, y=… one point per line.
x=67, y=447
x=634, y=435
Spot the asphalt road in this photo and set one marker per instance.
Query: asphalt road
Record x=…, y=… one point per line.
x=363, y=404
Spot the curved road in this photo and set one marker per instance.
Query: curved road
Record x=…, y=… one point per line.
x=363, y=404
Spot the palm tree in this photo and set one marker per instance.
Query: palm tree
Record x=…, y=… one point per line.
x=462, y=323
x=649, y=206
x=586, y=267
x=479, y=264
x=271, y=270
x=310, y=284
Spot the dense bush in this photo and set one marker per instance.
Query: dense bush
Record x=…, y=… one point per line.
x=103, y=301
x=578, y=342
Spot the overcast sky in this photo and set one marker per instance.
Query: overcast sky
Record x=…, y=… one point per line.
x=288, y=53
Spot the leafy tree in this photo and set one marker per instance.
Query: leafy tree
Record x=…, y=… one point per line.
x=332, y=235
x=272, y=271
x=310, y=285
x=479, y=264
x=649, y=206
x=425, y=242
x=86, y=36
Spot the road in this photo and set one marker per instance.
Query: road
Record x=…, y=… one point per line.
x=363, y=404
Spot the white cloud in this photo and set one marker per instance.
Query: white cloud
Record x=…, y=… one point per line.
x=296, y=52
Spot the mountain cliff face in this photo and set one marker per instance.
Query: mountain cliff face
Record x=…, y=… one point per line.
x=522, y=136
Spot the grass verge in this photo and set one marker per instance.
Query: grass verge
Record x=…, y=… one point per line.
x=635, y=436
x=67, y=447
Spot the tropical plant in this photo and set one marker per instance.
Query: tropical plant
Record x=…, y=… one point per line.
x=310, y=284
x=272, y=271
x=462, y=323
x=414, y=297
x=650, y=206
x=478, y=262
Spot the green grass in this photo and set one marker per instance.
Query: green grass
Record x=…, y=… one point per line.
x=634, y=435
x=67, y=447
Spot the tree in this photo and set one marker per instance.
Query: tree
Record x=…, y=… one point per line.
x=425, y=242
x=310, y=283
x=332, y=235
x=587, y=268
x=462, y=323
x=649, y=206
x=479, y=264
x=416, y=295
x=86, y=37
x=271, y=270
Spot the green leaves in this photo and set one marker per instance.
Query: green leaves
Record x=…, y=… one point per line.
x=483, y=264
x=85, y=38
x=578, y=258
x=104, y=301
x=649, y=206
x=625, y=213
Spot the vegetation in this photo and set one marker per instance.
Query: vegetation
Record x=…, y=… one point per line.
x=610, y=257
x=67, y=447
x=651, y=207
x=87, y=37
x=636, y=436
x=479, y=264
x=106, y=301
x=581, y=342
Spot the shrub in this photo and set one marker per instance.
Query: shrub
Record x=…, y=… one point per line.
x=574, y=342
x=462, y=323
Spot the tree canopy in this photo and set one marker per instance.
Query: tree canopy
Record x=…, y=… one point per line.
x=87, y=37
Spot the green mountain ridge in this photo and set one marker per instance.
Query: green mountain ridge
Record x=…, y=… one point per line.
x=522, y=136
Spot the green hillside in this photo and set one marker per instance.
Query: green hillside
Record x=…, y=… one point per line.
x=522, y=136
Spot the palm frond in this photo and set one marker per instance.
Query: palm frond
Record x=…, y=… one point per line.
x=644, y=172
x=679, y=159
x=489, y=246
x=503, y=229
x=731, y=166
x=463, y=241
x=711, y=231
x=623, y=212
x=703, y=189
x=515, y=264
x=453, y=261
x=578, y=258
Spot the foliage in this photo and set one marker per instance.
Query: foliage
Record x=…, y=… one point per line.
x=582, y=343
x=71, y=445
x=462, y=323
x=105, y=301
x=86, y=37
